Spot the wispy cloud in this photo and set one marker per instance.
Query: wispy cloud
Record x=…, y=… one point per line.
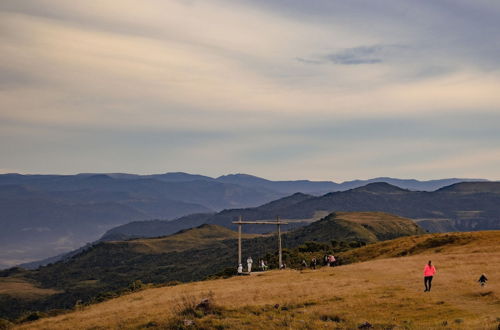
x=357, y=55
x=371, y=54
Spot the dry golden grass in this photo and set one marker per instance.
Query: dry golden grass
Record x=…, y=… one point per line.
x=20, y=288
x=369, y=217
x=467, y=242
x=388, y=293
x=184, y=240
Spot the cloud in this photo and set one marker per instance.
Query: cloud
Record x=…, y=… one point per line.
x=308, y=61
x=357, y=55
x=153, y=86
x=372, y=54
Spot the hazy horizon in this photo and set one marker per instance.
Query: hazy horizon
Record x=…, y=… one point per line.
x=259, y=176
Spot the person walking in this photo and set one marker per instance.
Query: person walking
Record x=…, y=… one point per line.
x=429, y=271
x=249, y=264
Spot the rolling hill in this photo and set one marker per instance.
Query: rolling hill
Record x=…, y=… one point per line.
x=189, y=255
x=384, y=293
x=459, y=207
x=224, y=218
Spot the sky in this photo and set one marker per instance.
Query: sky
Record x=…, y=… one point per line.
x=283, y=89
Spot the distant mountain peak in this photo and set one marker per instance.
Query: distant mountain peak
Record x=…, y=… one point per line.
x=380, y=187
x=287, y=201
x=99, y=177
x=241, y=177
x=180, y=177
x=473, y=187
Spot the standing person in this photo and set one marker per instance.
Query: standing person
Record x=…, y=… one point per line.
x=249, y=264
x=325, y=260
x=313, y=263
x=429, y=271
x=304, y=264
x=482, y=280
x=331, y=260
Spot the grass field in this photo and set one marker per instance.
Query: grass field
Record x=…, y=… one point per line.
x=387, y=293
x=21, y=288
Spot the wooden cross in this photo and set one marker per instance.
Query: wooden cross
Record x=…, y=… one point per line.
x=278, y=223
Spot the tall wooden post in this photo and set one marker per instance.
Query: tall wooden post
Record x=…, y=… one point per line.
x=239, y=241
x=280, y=257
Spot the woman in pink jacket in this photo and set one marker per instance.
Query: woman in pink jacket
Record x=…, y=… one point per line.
x=429, y=271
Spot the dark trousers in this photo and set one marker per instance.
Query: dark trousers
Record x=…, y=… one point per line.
x=428, y=283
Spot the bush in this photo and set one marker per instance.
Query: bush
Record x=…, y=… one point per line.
x=32, y=316
x=330, y=318
x=313, y=247
x=5, y=324
x=197, y=307
x=136, y=285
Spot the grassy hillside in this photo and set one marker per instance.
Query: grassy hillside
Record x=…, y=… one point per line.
x=475, y=242
x=367, y=227
x=19, y=287
x=200, y=237
x=109, y=268
x=387, y=293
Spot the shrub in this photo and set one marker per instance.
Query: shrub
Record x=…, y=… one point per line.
x=313, y=247
x=136, y=285
x=330, y=318
x=31, y=316
x=196, y=307
x=5, y=324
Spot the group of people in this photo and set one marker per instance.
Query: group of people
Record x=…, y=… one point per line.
x=249, y=266
x=430, y=271
x=312, y=264
x=262, y=264
x=328, y=260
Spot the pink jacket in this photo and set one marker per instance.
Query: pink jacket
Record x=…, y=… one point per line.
x=429, y=270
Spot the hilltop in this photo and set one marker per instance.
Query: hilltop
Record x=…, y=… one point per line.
x=104, y=269
x=187, y=239
x=366, y=227
x=385, y=292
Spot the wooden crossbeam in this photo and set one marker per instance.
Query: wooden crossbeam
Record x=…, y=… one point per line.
x=271, y=222
x=261, y=222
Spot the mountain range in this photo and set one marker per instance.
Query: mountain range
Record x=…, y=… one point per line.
x=467, y=206
x=46, y=215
